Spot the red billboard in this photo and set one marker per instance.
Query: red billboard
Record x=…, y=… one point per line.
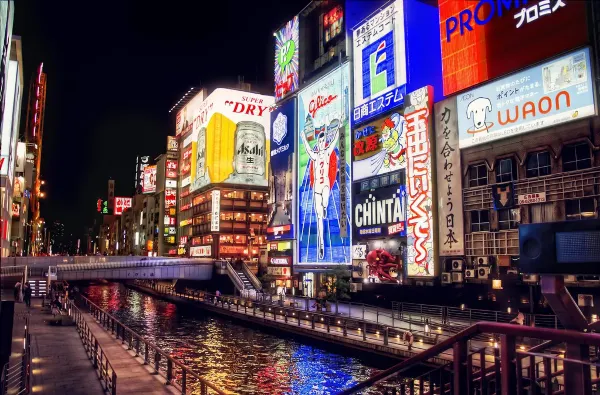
x=485, y=39
x=122, y=204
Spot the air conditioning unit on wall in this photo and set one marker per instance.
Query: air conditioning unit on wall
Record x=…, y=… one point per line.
x=530, y=278
x=457, y=265
x=470, y=273
x=482, y=261
x=457, y=277
x=483, y=273
x=446, y=278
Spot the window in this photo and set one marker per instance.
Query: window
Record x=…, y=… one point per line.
x=579, y=208
x=477, y=175
x=508, y=219
x=257, y=217
x=576, y=157
x=538, y=164
x=506, y=170
x=480, y=221
x=233, y=194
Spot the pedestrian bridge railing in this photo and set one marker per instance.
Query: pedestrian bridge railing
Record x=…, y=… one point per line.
x=130, y=263
x=176, y=373
x=96, y=354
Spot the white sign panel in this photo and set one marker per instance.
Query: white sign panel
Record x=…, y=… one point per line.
x=531, y=198
x=449, y=181
x=379, y=62
x=171, y=184
x=201, y=251
x=359, y=251
x=216, y=211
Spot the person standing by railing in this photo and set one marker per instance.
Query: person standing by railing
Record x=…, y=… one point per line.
x=17, y=291
x=27, y=295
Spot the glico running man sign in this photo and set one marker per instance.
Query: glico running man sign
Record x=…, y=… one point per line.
x=324, y=171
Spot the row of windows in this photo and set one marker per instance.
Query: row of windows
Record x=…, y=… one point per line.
x=574, y=157
x=231, y=216
x=510, y=218
x=259, y=196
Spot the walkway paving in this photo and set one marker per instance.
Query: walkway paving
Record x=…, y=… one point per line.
x=60, y=364
x=132, y=376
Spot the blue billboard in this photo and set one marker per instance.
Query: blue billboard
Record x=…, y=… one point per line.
x=282, y=185
x=558, y=91
x=395, y=49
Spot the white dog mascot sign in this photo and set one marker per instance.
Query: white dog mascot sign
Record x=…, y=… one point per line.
x=477, y=110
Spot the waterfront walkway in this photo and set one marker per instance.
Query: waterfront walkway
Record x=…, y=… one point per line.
x=132, y=376
x=59, y=362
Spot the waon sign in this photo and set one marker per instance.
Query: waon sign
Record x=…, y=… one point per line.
x=485, y=39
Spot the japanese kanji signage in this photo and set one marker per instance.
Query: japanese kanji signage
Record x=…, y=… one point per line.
x=216, y=211
x=532, y=198
x=379, y=147
x=171, y=168
x=201, y=251
x=558, y=91
x=485, y=39
x=121, y=204
x=379, y=62
x=149, y=184
x=421, y=254
x=287, y=46
x=170, y=198
x=449, y=180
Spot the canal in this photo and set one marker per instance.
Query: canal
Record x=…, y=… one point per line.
x=235, y=357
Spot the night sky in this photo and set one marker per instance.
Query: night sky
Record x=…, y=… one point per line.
x=114, y=70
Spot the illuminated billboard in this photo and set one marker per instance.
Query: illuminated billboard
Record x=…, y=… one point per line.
x=380, y=62
x=141, y=162
x=231, y=140
x=555, y=92
x=286, y=58
x=122, y=204
x=20, y=163
x=484, y=39
x=421, y=228
x=324, y=171
x=379, y=147
x=185, y=117
x=280, y=223
x=149, y=184
x=379, y=212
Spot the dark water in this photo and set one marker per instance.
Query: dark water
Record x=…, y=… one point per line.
x=232, y=356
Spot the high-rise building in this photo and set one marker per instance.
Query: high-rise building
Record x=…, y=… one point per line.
x=57, y=242
x=11, y=159
x=34, y=135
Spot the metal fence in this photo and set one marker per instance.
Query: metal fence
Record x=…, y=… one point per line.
x=107, y=374
x=176, y=373
x=16, y=379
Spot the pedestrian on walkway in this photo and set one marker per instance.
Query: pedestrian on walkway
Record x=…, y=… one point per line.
x=27, y=295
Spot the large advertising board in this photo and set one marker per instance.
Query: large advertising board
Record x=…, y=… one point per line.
x=185, y=117
x=141, y=162
x=287, y=44
x=20, y=163
x=449, y=181
x=379, y=147
x=485, y=39
x=379, y=212
x=324, y=173
x=122, y=204
x=282, y=186
x=8, y=137
x=421, y=249
x=379, y=62
x=149, y=184
x=555, y=92
x=231, y=139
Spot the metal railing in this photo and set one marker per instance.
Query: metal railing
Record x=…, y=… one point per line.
x=176, y=373
x=510, y=370
x=463, y=317
x=237, y=281
x=96, y=354
x=130, y=264
x=253, y=279
x=16, y=379
x=354, y=328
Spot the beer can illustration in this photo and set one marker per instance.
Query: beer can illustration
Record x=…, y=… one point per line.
x=249, y=155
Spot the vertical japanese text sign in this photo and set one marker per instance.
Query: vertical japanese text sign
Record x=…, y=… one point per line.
x=421, y=249
x=449, y=179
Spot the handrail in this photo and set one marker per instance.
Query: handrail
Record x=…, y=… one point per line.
x=568, y=336
x=109, y=322
x=383, y=334
x=16, y=379
x=255, y=281
x=95, y=352
x=239, y=284
x=130, y=263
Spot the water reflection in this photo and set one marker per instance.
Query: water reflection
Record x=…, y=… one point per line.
x=234, y=357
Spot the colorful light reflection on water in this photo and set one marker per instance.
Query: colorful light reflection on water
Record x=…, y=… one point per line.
x=234, y=357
